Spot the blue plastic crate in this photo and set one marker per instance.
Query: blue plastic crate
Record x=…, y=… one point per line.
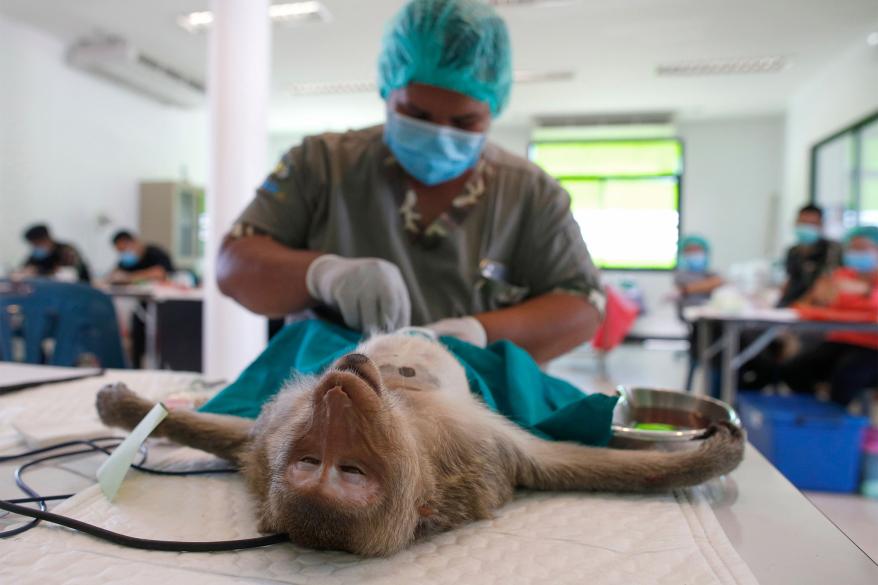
x=816, y=445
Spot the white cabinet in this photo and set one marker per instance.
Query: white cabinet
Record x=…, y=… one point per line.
x=172, y=216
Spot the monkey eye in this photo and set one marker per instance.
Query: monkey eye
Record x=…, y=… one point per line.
x=310, y=460
x=351, y=469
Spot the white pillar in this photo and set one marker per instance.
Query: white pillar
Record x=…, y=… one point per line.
x=239, y=63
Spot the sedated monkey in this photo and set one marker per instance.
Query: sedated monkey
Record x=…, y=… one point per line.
x=388, y=445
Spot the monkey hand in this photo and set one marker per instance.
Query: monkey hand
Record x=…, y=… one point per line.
x=370, y=293
x=118, y=406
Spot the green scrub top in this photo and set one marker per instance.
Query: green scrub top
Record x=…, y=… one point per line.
x=509, y=236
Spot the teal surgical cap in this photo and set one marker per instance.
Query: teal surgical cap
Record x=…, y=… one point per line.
x=870, y=232
x=460, y=45
x=694, y=241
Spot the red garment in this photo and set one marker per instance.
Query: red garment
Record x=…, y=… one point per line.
x=619, y=316
x=856, y=298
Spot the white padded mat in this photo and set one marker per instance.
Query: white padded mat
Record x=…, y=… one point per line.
x=539, y=538
x=60, y=412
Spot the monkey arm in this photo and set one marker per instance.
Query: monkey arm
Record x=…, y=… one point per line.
x=567, y=466
x=221, y=435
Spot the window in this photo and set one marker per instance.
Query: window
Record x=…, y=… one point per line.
x=625, y=195
x=844, y=177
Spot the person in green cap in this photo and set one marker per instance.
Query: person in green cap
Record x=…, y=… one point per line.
x=693, y=278
x=422, y=221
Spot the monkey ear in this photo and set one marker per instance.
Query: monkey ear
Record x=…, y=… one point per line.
x=425, y=511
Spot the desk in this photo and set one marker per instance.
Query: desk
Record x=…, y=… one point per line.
x=151, y=295
x=781, y=536
x=773, y=321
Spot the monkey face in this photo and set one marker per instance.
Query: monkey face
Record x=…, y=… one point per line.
x=349, y=476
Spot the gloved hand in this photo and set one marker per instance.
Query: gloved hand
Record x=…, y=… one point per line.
x=467, y=329
x=369, y=293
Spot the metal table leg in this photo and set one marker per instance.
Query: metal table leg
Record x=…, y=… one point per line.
x=731, y=344
x=151, y=325
x=702, y=329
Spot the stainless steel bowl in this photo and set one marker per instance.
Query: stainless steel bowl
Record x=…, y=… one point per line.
x=690, y=415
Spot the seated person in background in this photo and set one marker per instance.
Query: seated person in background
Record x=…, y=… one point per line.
x=139, y=261
x=848, y=361
x=693, y=279
x=695, y=283
x=811, y=257
x=47, y=256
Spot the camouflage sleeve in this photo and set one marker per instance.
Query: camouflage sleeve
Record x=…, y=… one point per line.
x=280, y=208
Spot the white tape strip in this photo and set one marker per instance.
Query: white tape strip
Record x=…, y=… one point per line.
x=112, y=472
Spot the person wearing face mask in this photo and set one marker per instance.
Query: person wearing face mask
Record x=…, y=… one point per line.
x=811, y=257
x=847, y=361
x=693, y=278
x=48, y=257
x=422, y=221
x=139, y=261
x=695, y=282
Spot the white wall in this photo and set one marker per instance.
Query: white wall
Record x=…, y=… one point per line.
x=732, y=185
x=840, y=95
x=515, y=139
x=74, y=147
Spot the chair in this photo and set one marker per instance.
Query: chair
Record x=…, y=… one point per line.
x=58, y=323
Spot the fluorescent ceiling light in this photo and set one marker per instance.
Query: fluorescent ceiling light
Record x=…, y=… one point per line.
x=195, y=21
x=348, y=87
x=332, y=88
x=290, y=12
x=302, y=11
x=524, y=3
x=525, y=76
x=723, y=67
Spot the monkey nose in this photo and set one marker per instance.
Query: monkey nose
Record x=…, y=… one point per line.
x=362, y=367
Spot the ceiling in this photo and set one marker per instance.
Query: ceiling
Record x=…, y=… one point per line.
x=612, y=47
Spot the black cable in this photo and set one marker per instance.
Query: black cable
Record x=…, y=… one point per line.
x=143, y=543
x=23, y=486
x=55, y=447
x=12, y=506
x=39, y=499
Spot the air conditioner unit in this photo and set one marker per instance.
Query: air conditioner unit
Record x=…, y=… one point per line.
x=118, y=61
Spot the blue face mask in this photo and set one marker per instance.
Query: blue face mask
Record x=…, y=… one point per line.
x=694, y=261
x=431, y=153
x=40, y=253
x=128, y=259
x=807, y=234
x=863, y=261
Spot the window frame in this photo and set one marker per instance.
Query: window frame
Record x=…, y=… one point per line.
x=856, y=170
x=680, y=178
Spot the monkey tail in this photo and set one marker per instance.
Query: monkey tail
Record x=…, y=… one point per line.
x=568, y=466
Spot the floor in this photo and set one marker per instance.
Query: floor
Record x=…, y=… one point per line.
x=664, y=365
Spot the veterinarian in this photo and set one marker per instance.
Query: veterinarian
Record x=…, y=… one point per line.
x=422, y=221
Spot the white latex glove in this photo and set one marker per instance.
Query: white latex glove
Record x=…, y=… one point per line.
x=467, y=329
x=370, y=293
